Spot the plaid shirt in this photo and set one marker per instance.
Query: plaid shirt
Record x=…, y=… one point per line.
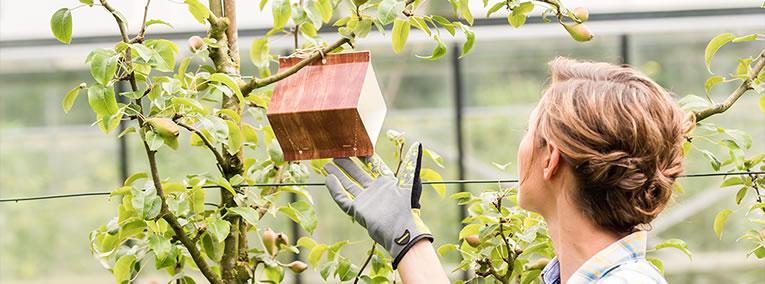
x=621, y=262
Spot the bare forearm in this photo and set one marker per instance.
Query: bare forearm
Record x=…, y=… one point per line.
x=421, y=265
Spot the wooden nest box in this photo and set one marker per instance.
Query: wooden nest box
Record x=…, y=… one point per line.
x=327, y=109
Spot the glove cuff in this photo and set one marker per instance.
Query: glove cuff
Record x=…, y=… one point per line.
x=403, y=250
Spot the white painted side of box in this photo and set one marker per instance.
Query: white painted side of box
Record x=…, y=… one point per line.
x=371, y=105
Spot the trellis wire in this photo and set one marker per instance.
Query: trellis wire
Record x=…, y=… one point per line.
x=445, y=182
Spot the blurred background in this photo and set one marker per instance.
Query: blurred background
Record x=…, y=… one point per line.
x=472, y=111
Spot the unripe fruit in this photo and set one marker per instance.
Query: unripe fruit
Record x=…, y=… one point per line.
x=582, y=14
x=538, y=264
x=165, y=127
x=298, y=266
x=473, y=240
x=196, y=43
x=269, y=241
x=578, y=32
x=282, y=239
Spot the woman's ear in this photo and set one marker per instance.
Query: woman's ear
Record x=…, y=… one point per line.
x=552, y=162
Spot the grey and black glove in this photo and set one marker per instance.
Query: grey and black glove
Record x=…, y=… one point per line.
x=388, y=207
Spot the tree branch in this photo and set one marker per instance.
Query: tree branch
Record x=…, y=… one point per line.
x=139, y=37
x=229, y=11
x=366, y=262
x=745, y=86
x=255, y=83
x=218, y=156
x=172, y=221
x=122, y=25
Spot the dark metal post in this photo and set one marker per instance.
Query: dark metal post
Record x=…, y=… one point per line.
x=122, y=158
x=624, y=49
x=458, y=109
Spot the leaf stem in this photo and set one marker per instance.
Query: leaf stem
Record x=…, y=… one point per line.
x=366, y=262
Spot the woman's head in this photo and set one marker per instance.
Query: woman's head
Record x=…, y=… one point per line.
x=614, y=132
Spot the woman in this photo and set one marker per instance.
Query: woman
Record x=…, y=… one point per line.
x=598, y=163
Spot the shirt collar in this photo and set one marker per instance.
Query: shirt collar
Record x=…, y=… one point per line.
x=629, y=248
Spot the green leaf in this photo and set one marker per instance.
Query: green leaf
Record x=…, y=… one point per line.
x=262, y=4
x=470, y=229
x=281, y=11
x=164, y=57
x=103, y=65
x=222, y=182
x=247, y=213
x=465, y=11
x=730, y=181
x=301, y=212
x=400, y=34
x=154, y=140
x=274, y=274
x=516, y=20
x=160, y=245
x=316, y=253
x=711, y=82
x=226, y=80
x=144, y=52
x=235, y=138
x=388, y=10
x=745, y=38
x=762, y=102
x=218, y=228
x=431, y=175
x=495, y=8
x=435, y=157
x=134, y=177
x=249, y=133
x=469, y=40
x=713, y=161
x=720, y=220
x=677, y=244
x=123, y=268
x=158, y=22
x=713, y=46
x=444, y=23
x=191, y=103
x=213, y=249
x=446, y=248
x=259, y=52
x=102, y=101
x=657, y=263
x=199, y=11
x=70, y=97
x=741, y=194
x=325, y=9
x=87, y=2
x=306, y=242
x=438, y=52
x=61, y=25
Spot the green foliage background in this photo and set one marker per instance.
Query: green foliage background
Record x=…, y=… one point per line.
x=40, y=154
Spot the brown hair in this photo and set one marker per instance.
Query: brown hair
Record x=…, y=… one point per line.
x=622, y=134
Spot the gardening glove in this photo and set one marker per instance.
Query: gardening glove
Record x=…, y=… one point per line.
x=389, y=208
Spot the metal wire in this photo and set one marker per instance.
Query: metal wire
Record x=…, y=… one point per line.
x=445, y=182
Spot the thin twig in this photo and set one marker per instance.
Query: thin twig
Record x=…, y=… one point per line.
x=140, y=36
x=218, y=156
x=366, y=262
x=122, y=25
x=745, y=86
